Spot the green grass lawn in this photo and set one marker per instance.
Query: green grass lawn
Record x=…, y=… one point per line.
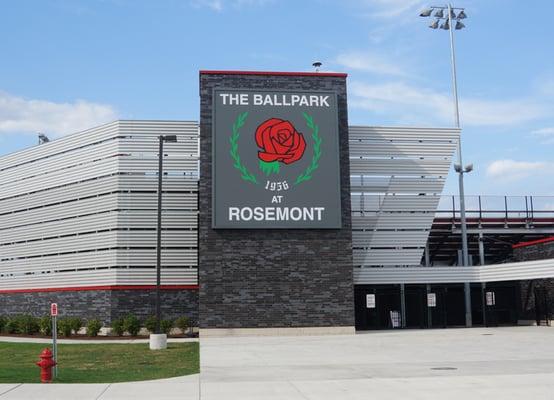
x=99, y=363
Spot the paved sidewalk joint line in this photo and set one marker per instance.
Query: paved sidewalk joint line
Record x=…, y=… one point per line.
x=103, y=391
x=10, y=389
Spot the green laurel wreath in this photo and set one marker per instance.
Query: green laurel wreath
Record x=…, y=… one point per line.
x=314, y=165
x=245, y=174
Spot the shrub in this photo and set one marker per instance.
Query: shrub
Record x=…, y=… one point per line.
x=3, y=321
x=11, y=325
x=75, y=324
x=27, y=324
x=150, y=324
x=118, y=326
x=45, y=325
x=166, y=325
x=182, y=323
x=131, y=324
x=64, y=326
x=93, y=327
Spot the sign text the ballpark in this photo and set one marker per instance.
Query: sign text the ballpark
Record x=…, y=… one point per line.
x=287, y=100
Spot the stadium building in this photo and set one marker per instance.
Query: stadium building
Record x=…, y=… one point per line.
x=277, y=217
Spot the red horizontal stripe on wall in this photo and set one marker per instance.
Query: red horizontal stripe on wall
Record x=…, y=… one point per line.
x=533, y=242
x=113, y=287
x=282, y=73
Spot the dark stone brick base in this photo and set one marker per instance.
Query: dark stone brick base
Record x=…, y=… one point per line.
x=106, y=305
x=543, y=287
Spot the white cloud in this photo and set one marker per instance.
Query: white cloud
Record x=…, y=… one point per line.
x=220, y=5
x=214, y=5
x=510, y=170
x=28, y=116
x=369, y=63
x=392, y=8
x=405, y=102
x=545, y=134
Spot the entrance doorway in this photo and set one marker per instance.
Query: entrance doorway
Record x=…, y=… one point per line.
x=448, y=308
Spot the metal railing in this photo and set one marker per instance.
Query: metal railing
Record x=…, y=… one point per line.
x=498, y=207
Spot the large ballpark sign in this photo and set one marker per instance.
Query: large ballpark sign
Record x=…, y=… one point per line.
x=275, y=159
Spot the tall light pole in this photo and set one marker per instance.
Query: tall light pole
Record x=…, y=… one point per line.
x=452, y=22
x=159, y=340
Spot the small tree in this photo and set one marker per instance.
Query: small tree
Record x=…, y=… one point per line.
x=150, y=324
x=45, y=325
x=64, y=327
x=3, y=322
x=118, y=326
x=166, y=325
x=93, y=327
x=27, y=324
x=11, y=325
x=76, y=324
x=183, y=323
x=131, y=324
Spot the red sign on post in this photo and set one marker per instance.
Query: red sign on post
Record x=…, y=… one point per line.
x=54, y=309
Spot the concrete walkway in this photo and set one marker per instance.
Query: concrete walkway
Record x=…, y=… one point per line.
x=181, y=388
x=499, y=363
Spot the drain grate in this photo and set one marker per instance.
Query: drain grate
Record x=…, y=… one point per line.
x=487, y=334
x=444, y=368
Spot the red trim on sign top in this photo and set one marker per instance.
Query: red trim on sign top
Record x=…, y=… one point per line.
x=269, y=73
x=108, y=287
x=533, y=242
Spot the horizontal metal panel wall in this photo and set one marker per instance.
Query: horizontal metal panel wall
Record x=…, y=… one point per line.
x=397, y=176
x=482, y=273
x=81, y=210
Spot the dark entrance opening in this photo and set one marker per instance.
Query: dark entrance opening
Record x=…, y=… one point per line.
x=449, y=309
x=387, y=299
x=504, y=311
x=416, y=306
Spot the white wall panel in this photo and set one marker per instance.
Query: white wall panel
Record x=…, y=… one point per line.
x=101, y=259
x=482, y=273
x=397, y=177
x=87, y=203
x=112, y=277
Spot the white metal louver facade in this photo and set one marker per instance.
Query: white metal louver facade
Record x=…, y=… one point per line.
x=81, y=211
x=397, y=176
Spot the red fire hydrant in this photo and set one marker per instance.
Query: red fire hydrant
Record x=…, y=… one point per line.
x=46, y=363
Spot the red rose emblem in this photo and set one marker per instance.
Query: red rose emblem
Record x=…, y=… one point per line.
x=279, y=141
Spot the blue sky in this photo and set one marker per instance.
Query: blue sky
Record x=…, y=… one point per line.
x=67, y=65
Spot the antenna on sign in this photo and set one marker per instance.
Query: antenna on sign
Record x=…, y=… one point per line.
x=42, y=138
x=317, y=65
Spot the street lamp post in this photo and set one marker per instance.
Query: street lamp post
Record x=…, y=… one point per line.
x=159, y=340
x=452, y=22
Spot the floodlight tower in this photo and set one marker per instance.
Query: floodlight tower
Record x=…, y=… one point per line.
x=447, y=19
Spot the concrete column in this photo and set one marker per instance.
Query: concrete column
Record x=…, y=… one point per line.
x=484, y=303
x=429, y=311
x=427, y=259
x=481, y=249
x=403, y=304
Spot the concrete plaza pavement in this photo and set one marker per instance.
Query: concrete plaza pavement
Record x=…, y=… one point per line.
x=478, y=363
x=491, y=363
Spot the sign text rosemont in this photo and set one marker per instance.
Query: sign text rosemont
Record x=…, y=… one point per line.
x=275, y=159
